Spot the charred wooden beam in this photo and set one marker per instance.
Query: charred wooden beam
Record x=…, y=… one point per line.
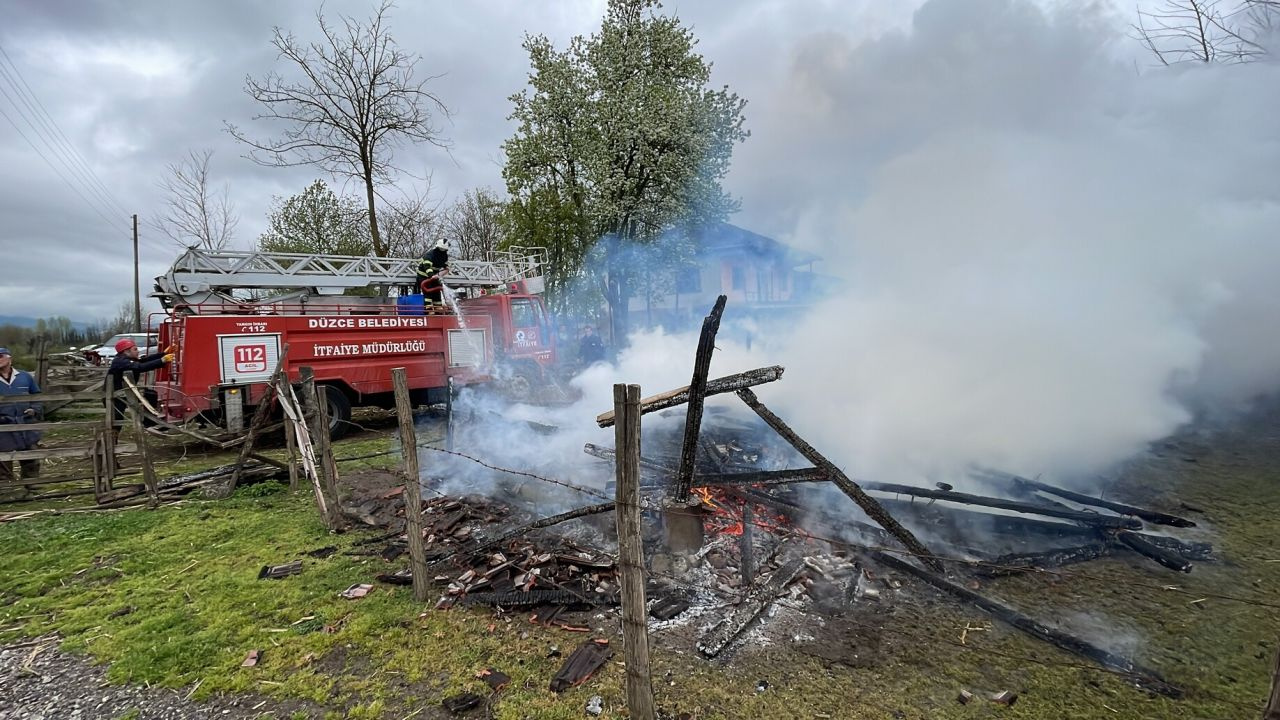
x=1015, y=563
x=1141, y=676
x=523, y=529
x=609, y=454
x=719, y=637
x=1087, y=518
x=697, y=396
x=977, y=522
x=765, y=477
x=718, y=386
x=1202, y=551
x=869, y=505
x=1167, y=558
x=1150, y=516
x=747, y=546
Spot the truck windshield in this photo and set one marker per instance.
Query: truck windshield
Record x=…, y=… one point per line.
x=523, y=314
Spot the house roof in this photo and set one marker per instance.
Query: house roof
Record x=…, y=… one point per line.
x=728, y=239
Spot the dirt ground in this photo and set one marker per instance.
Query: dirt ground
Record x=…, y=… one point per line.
x=908, y=655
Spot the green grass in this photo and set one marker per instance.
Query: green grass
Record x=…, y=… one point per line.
x=171, y=598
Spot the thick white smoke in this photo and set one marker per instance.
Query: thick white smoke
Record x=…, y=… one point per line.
x=1053, y=256
x=1053, y=252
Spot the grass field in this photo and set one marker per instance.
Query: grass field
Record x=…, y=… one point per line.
x=171, y=597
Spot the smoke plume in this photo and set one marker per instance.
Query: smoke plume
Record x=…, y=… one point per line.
x=1054, y=252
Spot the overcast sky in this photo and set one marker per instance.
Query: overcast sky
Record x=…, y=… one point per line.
x=135, y=84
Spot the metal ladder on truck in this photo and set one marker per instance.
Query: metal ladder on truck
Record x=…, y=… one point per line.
x=209, y=279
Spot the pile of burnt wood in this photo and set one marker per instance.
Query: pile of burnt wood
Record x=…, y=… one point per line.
x=481, y=553
x=719, y=478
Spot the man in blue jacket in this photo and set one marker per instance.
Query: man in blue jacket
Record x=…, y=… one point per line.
x=17, y=382
x=128, y=360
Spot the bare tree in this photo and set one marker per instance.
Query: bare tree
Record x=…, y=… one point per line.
x=193, y=213
x=1205, y=31
x=356, y=99
x=473, y=222
x=411, y=223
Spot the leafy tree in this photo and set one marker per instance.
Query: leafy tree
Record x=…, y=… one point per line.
x=356, y=100
x=316, y=220
x=618, y=136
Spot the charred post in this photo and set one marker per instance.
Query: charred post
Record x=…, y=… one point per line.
x=847, y=486
x=697, y=396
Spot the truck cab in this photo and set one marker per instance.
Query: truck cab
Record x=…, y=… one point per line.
x=524, y=341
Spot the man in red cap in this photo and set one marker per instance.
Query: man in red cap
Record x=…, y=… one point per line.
x=128, y=361
x=17, y=382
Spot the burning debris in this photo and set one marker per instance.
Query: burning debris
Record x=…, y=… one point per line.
x=757, y=528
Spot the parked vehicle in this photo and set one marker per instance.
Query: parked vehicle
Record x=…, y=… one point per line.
x=229, y=346
x=148, y=344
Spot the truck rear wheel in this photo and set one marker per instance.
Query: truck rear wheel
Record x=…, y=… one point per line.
x=339, y=409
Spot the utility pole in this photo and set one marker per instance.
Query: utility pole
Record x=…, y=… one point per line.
x=137, y=289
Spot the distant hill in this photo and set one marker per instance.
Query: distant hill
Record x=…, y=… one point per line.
x=27, y=322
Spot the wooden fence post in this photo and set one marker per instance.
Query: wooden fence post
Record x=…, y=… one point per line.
x=42, y=361
x=412, y=488
x=260, y=417
x=326, y=468
x=109, y=436
x=635, y=629
x=290, y=434
x=144, y=451
x=298, y=418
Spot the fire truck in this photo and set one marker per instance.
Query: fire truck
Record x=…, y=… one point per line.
x=235, y=316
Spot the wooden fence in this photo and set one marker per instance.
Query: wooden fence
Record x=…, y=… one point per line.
x=79, y=462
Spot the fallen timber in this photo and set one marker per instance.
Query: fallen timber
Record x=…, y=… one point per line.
x=1015, y=563
x=976, y=521
x=1150, y=516
x=517, y=532
x=1142, y=677
x=1087, y=518
x=869, y=505
x=1167, y=558
x=718, y=386
x=757, y=600
x=815, y=474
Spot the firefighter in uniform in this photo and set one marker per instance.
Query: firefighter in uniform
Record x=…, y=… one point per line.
x=430, y=270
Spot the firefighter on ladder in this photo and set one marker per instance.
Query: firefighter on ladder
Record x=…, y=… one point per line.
x=429, y=277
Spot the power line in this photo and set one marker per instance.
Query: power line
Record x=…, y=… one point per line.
x=71, y=185
x=57, y=139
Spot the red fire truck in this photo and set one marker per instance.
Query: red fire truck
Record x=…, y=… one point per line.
x=234, y=315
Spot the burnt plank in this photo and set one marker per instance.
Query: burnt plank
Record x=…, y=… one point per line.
x=869, y=505
x=1141, y=676
x=760, y=597
x=718, y=386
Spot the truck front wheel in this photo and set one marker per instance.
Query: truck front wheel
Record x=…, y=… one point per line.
x=339, y=409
